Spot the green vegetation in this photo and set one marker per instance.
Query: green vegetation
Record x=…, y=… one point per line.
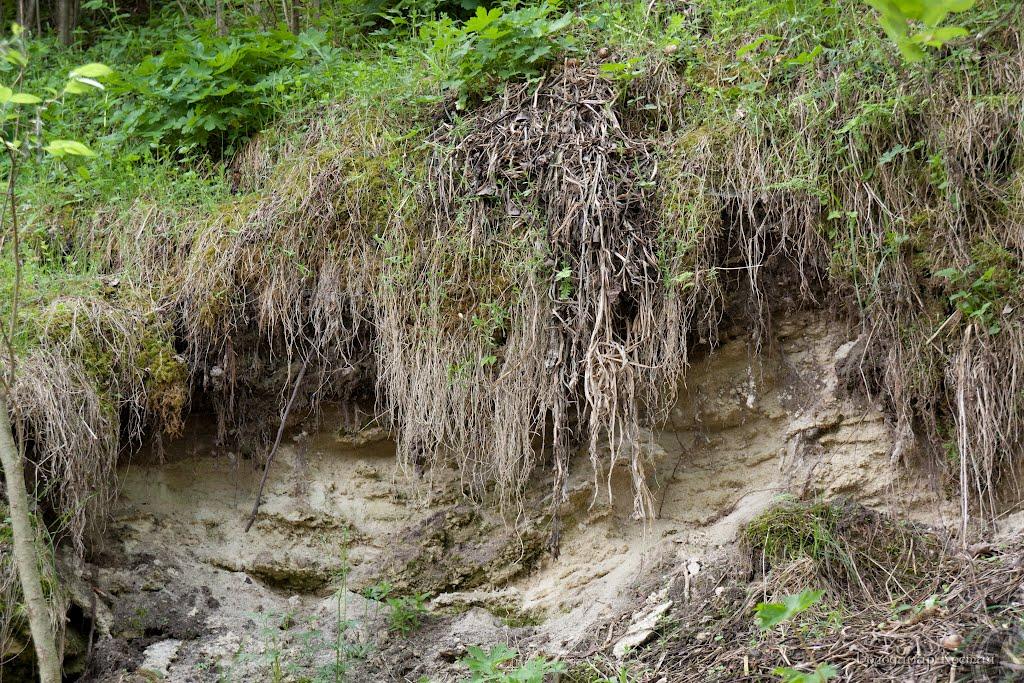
x=240, y=170
x=774, y=614
x=899, y=16
x=495, y=666
x=208, y=91
x=494, y=46
x=523, y=216
x=406, y=613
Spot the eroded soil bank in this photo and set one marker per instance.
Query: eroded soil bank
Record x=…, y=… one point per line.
x=184, y=594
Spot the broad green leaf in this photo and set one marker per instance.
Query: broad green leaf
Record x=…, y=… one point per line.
x=16, y=57
x=482, y=19
x=772, y=614
x=60, y=148
x=92, y=70
x=5, y=94
x=73, y=87
x=822, y=674
x=24, y=98
x=80, y=86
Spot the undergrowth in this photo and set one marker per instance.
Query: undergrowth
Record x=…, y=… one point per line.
x=837, y=590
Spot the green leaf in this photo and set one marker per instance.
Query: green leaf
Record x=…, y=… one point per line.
x=16, y=57
x=821, y=674
x=60, y=148
x=805, y=57
x=482, y=19
x=937, y=37
x=5, y=94
x=24, y=98
x=772, y=614
x=76, y=87
x=92, y=70
x=754, y=44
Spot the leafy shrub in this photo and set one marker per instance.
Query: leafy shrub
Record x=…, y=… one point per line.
x=206, y=90
x=406, y=613
x=492, y=666
x=401, y=12
x=900, y=18
x=494, y=46
x=771, y=614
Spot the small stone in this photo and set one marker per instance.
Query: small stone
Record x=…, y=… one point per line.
x=952, y=641
x=640, y=630
x=981, y=549
x=693, y=567
x=157, y=657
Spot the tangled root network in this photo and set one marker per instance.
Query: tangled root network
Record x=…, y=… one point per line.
x=535, y=312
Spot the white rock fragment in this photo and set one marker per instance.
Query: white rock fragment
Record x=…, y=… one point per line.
x=641, y=629
x=158, y=657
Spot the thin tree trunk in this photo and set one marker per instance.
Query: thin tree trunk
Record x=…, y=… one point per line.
x=222, y=28
x=27, y=14
x=65, y=18
x=23, y=536
x=25, y=551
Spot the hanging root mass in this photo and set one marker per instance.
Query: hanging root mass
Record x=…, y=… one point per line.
x=536, y=314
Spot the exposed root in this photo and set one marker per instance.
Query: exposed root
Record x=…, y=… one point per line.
x=102, y=374
x=541, y=305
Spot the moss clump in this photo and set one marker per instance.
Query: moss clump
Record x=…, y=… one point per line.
x=862, y=550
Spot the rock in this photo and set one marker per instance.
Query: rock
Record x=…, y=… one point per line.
x=641, y=629
x=493, y=601
x=981, y=549
x=157, y=658
x=363, y=437
x=222, y=649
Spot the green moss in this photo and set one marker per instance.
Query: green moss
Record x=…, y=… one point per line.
x=791, y=529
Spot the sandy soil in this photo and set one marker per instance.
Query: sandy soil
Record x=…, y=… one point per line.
x=194, y=598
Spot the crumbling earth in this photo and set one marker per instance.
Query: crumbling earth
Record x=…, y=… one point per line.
x=192, y=597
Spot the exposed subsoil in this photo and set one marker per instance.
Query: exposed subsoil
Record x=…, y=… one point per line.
x=184, y=594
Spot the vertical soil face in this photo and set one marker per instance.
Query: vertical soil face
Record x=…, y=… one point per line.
x=187, y=594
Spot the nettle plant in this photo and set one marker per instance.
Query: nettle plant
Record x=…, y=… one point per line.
x=773, y=614
x=916, y=24
x=21, y=139
x=496, y=45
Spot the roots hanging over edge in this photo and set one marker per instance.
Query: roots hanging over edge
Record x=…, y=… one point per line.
x=540, y=312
